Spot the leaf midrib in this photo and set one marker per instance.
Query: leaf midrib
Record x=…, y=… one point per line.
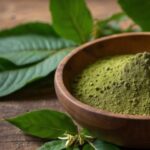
x=32, y=65
x=52, y=128
x=76, y=26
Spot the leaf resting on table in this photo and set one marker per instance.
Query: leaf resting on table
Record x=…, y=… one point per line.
x=29, y=56
x=47, y=124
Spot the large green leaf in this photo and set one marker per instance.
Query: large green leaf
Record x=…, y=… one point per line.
x=53, y=145
x=44, y=123
x=12, y=80
x=25, y=58
x=26, y=49
x=37, y=28
x=71, y=19
x=139, y=11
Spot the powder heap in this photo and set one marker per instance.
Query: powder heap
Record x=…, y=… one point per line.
x=119, y=84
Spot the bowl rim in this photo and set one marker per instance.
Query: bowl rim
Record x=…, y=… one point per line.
x=59, y=83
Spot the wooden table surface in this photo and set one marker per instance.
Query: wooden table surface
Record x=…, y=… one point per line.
x=13, y=12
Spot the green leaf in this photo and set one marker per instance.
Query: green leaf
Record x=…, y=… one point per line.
x=88, y=147
x=13, y=80
x=26, y=49
x=44, y=123
x=113, y=25
x=120, y=16
x=37, y=28
x=29, y=52
x=100, y=145
x=138, y=10
x=72, y=19
x=53, y=145
x=86, y=132
x=115, y=17
x=24, y=58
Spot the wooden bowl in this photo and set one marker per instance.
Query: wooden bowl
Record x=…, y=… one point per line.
x=124, y=130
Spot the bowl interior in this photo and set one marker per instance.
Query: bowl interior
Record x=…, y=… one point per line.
x=109, y=46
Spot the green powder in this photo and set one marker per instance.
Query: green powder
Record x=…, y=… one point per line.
x=119, y=84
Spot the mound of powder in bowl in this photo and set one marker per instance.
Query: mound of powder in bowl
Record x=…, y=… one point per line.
x=119, y=84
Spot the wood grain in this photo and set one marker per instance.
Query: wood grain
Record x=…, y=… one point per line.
x=13, y=12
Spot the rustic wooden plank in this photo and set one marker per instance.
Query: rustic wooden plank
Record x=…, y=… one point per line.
x=13, y=12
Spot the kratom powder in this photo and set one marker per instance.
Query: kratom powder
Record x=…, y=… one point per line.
x=119, y=84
